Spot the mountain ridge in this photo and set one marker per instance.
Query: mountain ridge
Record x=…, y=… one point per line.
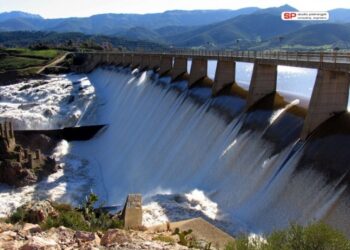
x=244, y=28
x=120, y=22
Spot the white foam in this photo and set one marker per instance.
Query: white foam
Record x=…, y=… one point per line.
x=54, y=103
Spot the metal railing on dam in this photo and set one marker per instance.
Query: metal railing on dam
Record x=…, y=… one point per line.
x=330, y=92
x=332, y=60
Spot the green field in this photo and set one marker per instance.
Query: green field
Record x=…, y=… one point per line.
x=19, y=63
x=22, y=58
x=15, y=63
x=47, y=54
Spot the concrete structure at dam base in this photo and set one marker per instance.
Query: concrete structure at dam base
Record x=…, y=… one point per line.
x=132, y=212
x=329, y=96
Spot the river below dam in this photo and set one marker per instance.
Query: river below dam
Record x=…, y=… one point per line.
x=188, y=154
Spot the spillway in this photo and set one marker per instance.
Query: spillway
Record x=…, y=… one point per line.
x=173, y=145
x=192, y=155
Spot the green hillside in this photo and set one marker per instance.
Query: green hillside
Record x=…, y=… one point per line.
x=320, y=35
x=73, y=40
x=246, y=29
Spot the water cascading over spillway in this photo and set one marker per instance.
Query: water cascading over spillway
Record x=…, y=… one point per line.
x=188, y=160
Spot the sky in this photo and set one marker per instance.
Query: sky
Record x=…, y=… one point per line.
x=81, y=8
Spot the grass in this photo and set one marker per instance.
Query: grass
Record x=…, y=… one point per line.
x=47, y=54
x=16, y=63
x=165, y=238
x=15, y=59
x=19, y=63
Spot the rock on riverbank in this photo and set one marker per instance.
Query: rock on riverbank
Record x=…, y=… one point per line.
x=31, y=237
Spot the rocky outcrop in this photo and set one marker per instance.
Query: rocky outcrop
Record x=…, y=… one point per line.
x=31, y=237
x=35, y=141
x=38, y=211
x=14, y=174
x=21, y=166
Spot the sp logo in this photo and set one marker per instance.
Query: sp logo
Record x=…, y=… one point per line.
x=289, y=15
x=304, y=15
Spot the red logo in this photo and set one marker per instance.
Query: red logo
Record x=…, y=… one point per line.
x=289, y=15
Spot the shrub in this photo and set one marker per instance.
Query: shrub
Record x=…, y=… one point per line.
x=318, y=236
x=85, y=218
x=182, y=236
x=62, y=207
x=71, y=219
x=98, y=218
x=230, y=246
x=17, y=217
x=164, y=238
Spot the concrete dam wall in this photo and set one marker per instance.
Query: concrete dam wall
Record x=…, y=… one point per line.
x=330, y=94
x=175, y=144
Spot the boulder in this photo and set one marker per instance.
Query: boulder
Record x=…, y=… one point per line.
x=64, y=236
x=83, y=237
x=38, y=211
x=29, y=228
x=114, y=237
x=10, y=245
x=5, y=227
x=39, y=243
x=8, y=236
x=14, y=174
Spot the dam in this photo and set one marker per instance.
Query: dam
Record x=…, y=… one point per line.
x=197, y=144
x=330, y=95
